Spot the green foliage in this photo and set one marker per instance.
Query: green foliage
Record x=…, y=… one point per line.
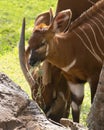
x=11, y=15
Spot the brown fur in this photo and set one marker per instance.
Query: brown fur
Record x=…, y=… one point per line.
x=61, y=58
x=77, y=8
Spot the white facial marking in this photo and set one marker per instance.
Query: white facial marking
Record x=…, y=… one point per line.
x=67, y=68
x=77, y=89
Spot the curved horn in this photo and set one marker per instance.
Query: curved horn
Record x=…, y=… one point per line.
x=51, y=15
x=27, y=75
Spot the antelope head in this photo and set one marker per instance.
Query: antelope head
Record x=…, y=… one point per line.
x=40, y=42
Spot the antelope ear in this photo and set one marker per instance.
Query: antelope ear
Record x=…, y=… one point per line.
x=60, y=19
x=44, y=18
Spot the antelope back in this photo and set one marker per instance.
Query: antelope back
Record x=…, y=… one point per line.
x=77, y=7
x=89, y=28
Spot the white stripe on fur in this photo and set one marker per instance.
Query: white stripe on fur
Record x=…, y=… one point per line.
x=68, y=67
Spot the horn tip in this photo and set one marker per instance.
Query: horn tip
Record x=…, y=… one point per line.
x=24, y=21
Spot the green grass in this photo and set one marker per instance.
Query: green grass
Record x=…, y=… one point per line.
x=86, y=104
x=11, y=15
x=9, y=64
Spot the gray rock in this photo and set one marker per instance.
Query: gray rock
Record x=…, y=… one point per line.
x=18, y=112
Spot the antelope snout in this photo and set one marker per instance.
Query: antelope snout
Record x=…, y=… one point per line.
x=32, y=62
x=34, y=58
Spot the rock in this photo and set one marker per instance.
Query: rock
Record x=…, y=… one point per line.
x=18, y=112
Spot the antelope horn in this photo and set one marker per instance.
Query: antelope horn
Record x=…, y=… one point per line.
x=51, y=15
x=27, y=75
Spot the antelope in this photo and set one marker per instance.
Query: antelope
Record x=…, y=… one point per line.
x=51, y=45
x=73, y=79
x=58, y=106
x=71, y=51
x=47, y=89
